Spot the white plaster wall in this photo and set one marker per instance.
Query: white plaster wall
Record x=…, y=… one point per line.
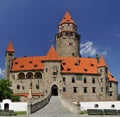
x=101, y=105
x=16, y=106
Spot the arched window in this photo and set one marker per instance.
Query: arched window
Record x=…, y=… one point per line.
x=29, y=75
x=21, y=76
x=38, y=75
x=96, y=105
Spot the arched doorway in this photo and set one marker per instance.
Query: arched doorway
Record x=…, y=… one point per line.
x=6, y=106
x=54, y=90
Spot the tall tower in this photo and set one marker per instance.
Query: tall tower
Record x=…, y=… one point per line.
x=9, y=56
x=67, y=39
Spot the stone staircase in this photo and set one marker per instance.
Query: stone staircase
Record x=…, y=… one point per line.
x=54, y=109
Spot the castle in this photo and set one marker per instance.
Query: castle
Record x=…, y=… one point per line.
x=62, y=71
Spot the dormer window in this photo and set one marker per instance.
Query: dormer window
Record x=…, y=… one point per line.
x=30, y=62
x=64, y=63
x=22, y=66
x=85, y=69
x=35, y=65
x=92, y=64
x=16, y=63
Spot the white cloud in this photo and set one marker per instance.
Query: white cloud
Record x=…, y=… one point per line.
x=88, y=49
x=2, y=72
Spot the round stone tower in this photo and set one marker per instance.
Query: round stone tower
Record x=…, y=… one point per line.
x=9, y=56
x=67, y=39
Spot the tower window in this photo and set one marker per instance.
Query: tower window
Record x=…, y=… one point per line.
x=73, y=54
x=110, y=84
x=110, y=94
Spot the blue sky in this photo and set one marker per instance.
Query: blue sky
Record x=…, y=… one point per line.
x=32, y=24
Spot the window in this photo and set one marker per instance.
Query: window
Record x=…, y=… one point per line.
x=112, y=106
x=85, y=89
x=23, y=87
x=13, y=76
x=73, y=80
x=64, y=89
x=18, y=86
x=37, y=86
x=74, y=89
x=64, y=80
x=93, y=89
x=93, y=80
x=85, y=80
x=101, y=89
x=110, y=94
x=96, y=106
x=46, y=69
x=100, y=70
x=73, y=54
x=101, y=79
x=110, y=84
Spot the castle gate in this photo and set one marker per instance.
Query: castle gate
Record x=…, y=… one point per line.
x=54, y=90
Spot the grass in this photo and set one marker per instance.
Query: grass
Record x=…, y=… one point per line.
x=84, y=112
x=20, y=113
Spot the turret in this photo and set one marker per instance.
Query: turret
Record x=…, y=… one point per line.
x=67, y=39
x=9, y=56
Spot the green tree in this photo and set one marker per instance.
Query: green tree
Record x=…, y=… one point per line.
x=6, y=91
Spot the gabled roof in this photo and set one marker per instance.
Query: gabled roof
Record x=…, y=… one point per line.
x=10, y=47
x=102, y=62
x=67, y=19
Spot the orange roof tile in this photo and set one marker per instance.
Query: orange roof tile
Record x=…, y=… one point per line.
x=52, y=54
x=27, y=63
x=67, y=19
x=102, y=62
x=10, y=47
x=111, y=77
x=85, y=65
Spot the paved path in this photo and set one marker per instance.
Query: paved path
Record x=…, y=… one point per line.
x=56, y=109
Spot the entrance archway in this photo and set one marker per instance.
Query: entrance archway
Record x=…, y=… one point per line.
x=54, y=90
x=6, y=106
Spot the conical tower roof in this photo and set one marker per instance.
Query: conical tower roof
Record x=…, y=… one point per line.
x=102, y=61
x=10, y=47
x=67, y=19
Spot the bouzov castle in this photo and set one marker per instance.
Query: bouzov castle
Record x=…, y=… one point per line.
x=62, y=71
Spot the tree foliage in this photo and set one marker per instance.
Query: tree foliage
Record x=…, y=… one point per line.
x=6, y=91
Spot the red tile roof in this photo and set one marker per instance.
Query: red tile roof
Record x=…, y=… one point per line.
x=67, y=19
x=10, y=47
x=111, y=77
x=69, y=64
x=102, y=62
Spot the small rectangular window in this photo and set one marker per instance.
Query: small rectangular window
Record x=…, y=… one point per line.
x=110, y=84
x=85, y=80
x=110, y=93
x=64, y=89
x=74, y=89
x=64, y=80
x=93, y=80
x=73, y=80
x=85, y=89
x=93, y=89
x=46, y=69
